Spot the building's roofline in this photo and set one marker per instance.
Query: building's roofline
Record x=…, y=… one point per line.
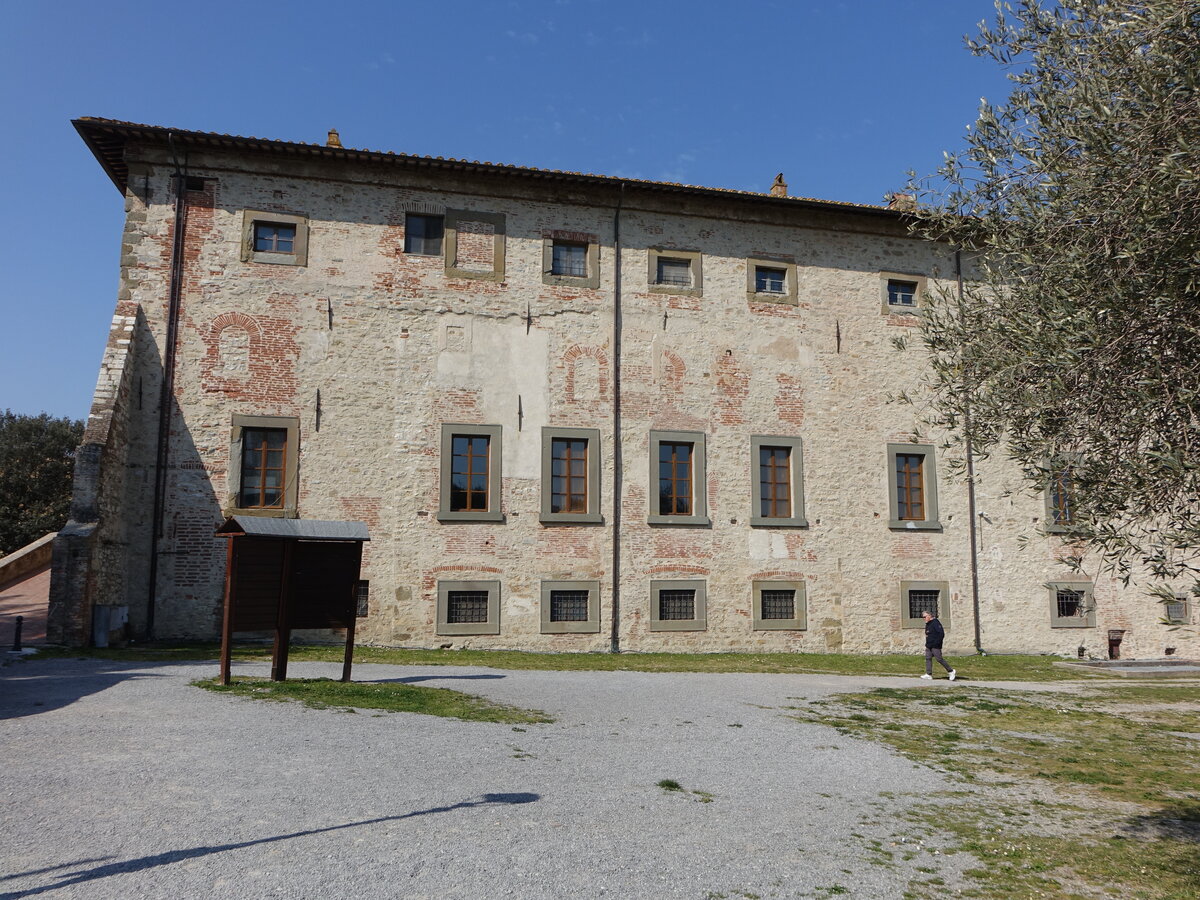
x=106, y=138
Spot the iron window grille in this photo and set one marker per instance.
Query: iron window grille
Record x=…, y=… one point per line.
x=770, y=281
x=921, y=602
x=1177, y=610
x=676, y=605
x=362, y=598
x=274, y=237
x=902, y=293
x=1070, y=603
x=466, y=607
x=778, y=604
x=569, y=606
x=423, y=234
x=675, y=272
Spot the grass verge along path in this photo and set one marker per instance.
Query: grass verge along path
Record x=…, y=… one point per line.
x=324, y=693
x=1091, y=793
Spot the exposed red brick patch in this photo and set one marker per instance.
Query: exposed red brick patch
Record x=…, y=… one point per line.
x=789, y=400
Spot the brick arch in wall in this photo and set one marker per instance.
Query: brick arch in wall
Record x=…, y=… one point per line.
x=577, y=360
x=249, y=357
x=673, y=370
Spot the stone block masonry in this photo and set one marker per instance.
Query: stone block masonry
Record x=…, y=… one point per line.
x=361, y=351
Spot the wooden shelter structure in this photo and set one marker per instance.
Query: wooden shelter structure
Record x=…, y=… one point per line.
x=283, y=574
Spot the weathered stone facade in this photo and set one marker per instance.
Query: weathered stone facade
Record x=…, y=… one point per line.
x=371, y=351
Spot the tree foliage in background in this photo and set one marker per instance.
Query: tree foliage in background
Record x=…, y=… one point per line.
x=1078, y=349
x=37, y=458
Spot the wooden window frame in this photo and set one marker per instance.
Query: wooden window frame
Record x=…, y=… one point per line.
x=239, y=424
x=591, y=514
x=795, y=449
x=493, y=513
x=699, y=514
x=929, y=493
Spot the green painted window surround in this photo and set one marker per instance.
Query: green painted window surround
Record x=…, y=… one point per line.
x=1087, y=605
x=943, y=603
x=589, y=626
x=699, y=622
x=299, y=253
x=490, y=626
x=291, y=425
x=797, y=622
x=929, y=485
x=591, y=516
x=494, y=512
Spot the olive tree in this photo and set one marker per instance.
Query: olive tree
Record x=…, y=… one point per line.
x=37, y=459
x=1077, y=348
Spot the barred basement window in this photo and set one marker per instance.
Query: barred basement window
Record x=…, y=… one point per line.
x=779, y=604
x=568, y=606
x=362, y=598
x=468, y=607
x=1177, y=611
x=678, y=605
x=919, y=597
x=1072, y=604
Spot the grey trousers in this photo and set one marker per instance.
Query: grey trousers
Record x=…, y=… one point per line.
x=932, y=653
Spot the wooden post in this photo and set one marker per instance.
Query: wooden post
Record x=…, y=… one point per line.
x=283, y=629
x=227, y=621
x=349, y=658
x=353, y=604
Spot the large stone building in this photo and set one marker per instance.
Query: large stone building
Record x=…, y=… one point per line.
x=576, y=412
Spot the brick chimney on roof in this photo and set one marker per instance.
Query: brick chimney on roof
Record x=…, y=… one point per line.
x=905, y=202
x=779, y=186
x=333, y=140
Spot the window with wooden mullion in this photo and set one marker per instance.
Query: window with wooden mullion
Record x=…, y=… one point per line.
x=910, y=487
x=674, y=479
x=264, y=460
x=775, y=482
x=568, y=475
x=469, y=473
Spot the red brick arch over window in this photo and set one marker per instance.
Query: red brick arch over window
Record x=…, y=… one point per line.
x=270, y=376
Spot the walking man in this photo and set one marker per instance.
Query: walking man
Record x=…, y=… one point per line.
x=934, y=635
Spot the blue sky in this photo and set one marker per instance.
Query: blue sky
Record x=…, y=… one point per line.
x=842, y=97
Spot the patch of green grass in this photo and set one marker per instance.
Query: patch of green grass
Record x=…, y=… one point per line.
x=1100, y=746
x=1004, y=668
x=670, y=784
x=324, y=693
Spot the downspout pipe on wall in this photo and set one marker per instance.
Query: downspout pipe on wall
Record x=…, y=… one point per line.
x=162, y=450
x=972, y=517
x=618, y=464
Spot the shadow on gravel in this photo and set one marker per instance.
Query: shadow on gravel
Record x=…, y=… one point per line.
x=143, y=863
x=32, y=687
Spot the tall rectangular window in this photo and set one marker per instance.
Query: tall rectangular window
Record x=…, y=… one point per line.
x=568, y=475
x=910, y=487
x=469, y=473
x=264, y=467
x=423, y=234
x=774, y=482
x=1060, y=500
x=674, y=479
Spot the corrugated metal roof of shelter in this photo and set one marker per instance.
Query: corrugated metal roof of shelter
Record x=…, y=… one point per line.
x=99, y=133
x=301, y=529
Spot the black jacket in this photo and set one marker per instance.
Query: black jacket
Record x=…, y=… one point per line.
x=934, y=634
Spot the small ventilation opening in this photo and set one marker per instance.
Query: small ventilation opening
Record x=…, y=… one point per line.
x=193, y=184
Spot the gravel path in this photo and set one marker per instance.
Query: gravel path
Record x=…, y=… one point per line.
x=120, y=780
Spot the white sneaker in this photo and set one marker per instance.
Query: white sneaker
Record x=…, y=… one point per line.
x=953, y=674
x=927, y=677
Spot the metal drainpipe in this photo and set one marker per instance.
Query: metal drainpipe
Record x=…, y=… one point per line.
x=972, y=518
x=617, y=455
x=174, y=293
